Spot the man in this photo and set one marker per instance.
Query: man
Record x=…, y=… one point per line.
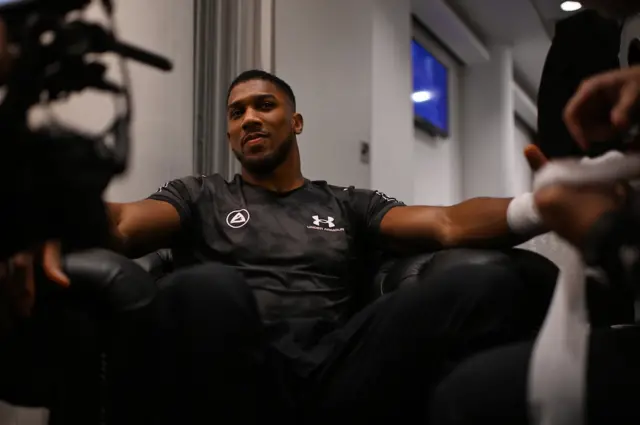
x=262, y=316
x=272, y=265
x=603, y=108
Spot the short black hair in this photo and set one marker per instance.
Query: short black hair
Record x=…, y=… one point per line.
x=258, y=74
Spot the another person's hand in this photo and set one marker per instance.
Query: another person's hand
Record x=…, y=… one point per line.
x=17, y=281
x=571, y=211
x=604, y=107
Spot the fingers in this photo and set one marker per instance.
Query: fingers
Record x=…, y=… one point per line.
x=535, y=157
x=621, y=114
x=574, y=110
x=603, y=105
x=52, y=263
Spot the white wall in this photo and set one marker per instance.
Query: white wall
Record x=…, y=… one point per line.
x=488, y=128
x=323, y=50
x=163, y=126
x=523, y=177
x=392, y=139
x=348, y=64
x=436, y=161
x=162, y=134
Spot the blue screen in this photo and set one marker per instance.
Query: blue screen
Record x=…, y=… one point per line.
x=430, y=95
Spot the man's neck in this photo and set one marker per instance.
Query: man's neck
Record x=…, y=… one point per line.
x=285, y=178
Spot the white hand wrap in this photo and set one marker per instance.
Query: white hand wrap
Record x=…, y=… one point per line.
x=523, y=217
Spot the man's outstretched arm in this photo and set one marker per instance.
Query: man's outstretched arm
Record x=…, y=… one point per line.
x=478, y=222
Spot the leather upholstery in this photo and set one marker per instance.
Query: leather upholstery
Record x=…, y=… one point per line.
x=409, y=271
x=157, y=264
x=107, y=277
x=398, y=272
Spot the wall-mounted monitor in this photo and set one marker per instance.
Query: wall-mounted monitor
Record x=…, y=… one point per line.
x=430, y=92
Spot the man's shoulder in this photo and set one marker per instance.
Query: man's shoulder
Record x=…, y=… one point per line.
x=350, y=191
x=218, y=180
x=334, y=190
x=200, y=183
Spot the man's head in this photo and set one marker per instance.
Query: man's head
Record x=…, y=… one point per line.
x=614, y=8
x=262, y=122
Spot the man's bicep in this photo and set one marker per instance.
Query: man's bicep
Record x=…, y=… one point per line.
x=371, y=206
x=146, y=225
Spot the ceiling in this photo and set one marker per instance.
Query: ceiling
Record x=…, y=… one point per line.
x=526, y=25
x=550, y=9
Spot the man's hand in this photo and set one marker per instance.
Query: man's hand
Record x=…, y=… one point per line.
x=570, y=211
x=604, y=107
x=17, y=282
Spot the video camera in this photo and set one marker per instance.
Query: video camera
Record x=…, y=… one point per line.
x=53, y=176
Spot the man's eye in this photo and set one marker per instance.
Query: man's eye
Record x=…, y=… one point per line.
x=268, y=105
x=236, y=113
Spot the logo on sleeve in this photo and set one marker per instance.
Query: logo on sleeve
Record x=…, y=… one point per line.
x=385, y=197
x=164, y=186
x=238, y=218
x=327, y=224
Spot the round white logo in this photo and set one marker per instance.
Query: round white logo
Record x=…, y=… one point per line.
x=238, y=218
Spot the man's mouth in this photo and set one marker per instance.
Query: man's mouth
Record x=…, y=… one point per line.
x=253, y=138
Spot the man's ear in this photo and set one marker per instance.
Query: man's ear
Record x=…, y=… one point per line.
x=298, y=123
x=228, y=137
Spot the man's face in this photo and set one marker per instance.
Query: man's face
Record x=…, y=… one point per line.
x=261, y=125
x=614, y=8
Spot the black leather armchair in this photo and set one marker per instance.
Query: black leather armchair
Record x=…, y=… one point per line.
x=397, y=272
x=106, y=278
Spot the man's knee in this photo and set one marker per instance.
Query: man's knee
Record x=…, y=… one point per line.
x=472, y=283
x=211, y=290
x=476, y=296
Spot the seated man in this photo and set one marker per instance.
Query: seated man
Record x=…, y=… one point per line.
x=262, y=316
x=282, y=262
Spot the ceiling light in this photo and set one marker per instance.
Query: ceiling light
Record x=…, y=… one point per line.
x=422, y=96
x=571, y=6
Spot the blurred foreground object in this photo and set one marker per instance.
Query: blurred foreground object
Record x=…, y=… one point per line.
x=53, y=176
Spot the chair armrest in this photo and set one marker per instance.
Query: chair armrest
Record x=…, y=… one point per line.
x=112, y=280
x=406, y=271
x=157, y=264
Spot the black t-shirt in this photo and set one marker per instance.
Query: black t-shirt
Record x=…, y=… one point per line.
x=303, y=253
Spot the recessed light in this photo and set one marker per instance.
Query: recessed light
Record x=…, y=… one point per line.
x=571, y=6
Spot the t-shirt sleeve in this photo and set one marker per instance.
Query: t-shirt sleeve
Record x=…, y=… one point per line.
x=182, y=194
x=369, y=207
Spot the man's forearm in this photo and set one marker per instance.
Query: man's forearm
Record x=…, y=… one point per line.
x=478, y=222
x=482, y=222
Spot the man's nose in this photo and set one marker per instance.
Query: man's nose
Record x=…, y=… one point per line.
x=251, y=120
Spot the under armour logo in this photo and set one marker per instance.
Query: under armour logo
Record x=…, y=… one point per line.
x=317, y=221
x=238, y=218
